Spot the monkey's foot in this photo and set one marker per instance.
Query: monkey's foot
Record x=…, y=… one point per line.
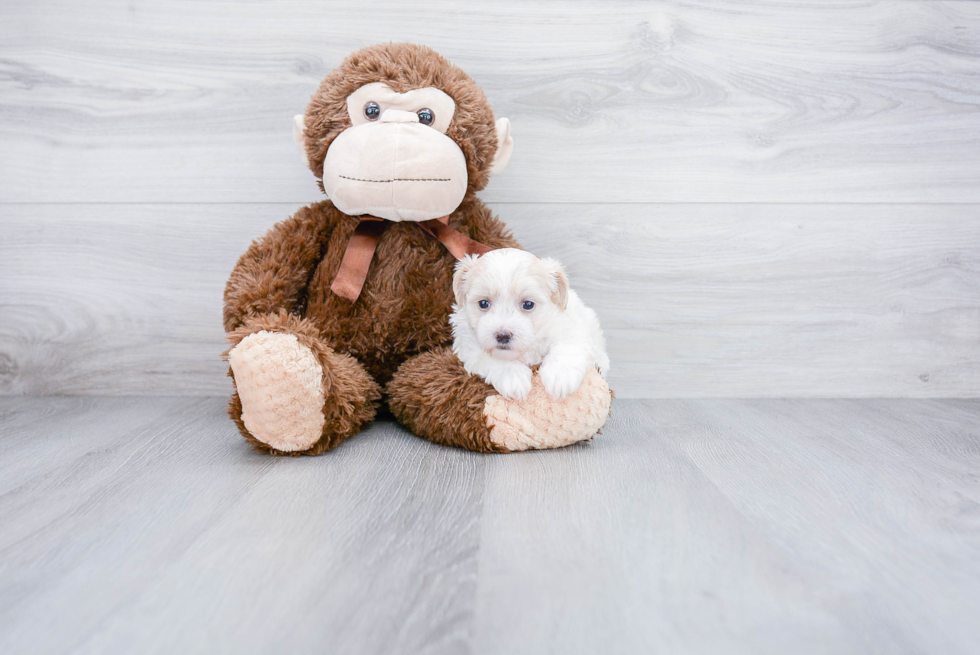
x=294, y=394
x=540, y=421
x=280, y=384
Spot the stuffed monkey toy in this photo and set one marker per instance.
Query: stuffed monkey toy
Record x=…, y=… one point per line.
x=345, y=305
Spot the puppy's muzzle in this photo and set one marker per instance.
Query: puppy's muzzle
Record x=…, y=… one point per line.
x=503, y=338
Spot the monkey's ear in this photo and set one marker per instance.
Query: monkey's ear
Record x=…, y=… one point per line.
x=557, y=282
x=299, y=136
x=505, y=146
x=463, y=268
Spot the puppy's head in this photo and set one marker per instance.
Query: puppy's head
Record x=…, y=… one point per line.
x=511, y=299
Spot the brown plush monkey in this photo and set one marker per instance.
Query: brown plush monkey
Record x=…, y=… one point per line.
x=334, y=310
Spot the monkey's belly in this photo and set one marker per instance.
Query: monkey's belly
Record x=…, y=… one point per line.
x=399, y=314
x=384, y=343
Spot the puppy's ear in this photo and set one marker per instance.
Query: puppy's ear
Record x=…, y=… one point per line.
x=557, y=282
x=463, y=267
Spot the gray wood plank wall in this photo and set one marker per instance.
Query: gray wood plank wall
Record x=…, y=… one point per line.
x=758, y=198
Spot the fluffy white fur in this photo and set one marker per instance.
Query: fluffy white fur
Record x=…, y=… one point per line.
x=502, y=339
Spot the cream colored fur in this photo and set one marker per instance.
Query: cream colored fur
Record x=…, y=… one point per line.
x=505, y=146
x=280, y=384
x=514, y=311
x=539, y=421
x=412, y=173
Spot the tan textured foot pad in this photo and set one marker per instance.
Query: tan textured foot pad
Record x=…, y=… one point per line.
x=280, y=384
x=540, y=421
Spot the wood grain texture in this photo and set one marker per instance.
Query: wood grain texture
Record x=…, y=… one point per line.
x=765, y=526
x=148, y=525
x=696, y=300
x=786, y=101
x=740, y=527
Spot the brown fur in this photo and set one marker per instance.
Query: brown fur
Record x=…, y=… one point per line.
x=406, y=299
x=434, y=396
x=275, y=271
x=282, y=283
x=351, y=395
x=403, y=67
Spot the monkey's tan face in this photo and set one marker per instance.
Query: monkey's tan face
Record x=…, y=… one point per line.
x=396, y=161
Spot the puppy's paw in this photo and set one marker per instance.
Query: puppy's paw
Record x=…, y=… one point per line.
x=511, y=382
x=560, y=379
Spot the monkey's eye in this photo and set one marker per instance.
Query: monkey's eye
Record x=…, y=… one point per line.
x=527, y=305
x=426, y=116
x=372, y=111
x=484, y=304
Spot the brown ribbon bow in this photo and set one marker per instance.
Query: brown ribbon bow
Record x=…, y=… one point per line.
x=360, y=251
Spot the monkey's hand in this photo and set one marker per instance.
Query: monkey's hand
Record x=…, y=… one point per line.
x=540, y=421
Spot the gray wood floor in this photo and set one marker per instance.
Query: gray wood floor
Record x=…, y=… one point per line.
x=690, y=526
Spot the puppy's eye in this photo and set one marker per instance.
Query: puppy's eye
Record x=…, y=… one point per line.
x=484, y=304
x=372, y=111
x=527, y=305
x=426, y=116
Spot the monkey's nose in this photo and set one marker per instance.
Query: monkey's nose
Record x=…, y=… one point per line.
x=399, y=116
x=503, y=338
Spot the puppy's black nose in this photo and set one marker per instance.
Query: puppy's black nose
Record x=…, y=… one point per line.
x=503, y=338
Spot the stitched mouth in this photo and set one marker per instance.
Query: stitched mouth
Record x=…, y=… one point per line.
x=399, y=179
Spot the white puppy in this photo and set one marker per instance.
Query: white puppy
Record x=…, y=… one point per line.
x=513, y=311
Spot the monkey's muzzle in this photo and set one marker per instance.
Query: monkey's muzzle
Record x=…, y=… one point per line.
x=400, y=171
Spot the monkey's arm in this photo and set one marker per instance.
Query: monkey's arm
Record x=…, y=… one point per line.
x=273, y=273
x=294, y=394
